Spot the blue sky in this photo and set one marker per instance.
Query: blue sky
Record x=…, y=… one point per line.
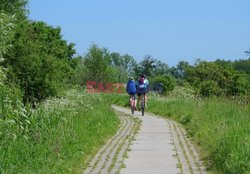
x=168, y=30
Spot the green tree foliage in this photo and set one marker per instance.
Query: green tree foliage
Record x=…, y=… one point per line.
x=129, y=63
x=165, y=82
x=39, y=60
x=225, y=63
x=7, y=91
x=102, y=66
x=6, y=33
x=243, y=66
x=238, y=84
x=209, y=88
x=209, y=78
x=160, y=68
x=14, y=7
x=152, y=67
x=125, y=65
x=147, y=65
x=179, y=71
x=98, y=65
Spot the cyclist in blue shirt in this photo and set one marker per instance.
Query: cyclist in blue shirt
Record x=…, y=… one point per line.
x=131, y=90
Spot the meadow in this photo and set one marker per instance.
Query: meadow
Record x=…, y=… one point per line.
x=58, y=136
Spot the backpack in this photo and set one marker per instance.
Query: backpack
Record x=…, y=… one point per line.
x=131, y=87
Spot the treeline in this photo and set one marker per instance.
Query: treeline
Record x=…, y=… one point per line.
x=218, y=78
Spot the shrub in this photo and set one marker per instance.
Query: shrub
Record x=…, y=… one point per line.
x=39, y=60
x=166, y=83
x=209, y=88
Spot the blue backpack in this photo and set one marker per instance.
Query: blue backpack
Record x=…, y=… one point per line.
x=131, y=87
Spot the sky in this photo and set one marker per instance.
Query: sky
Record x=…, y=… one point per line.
x=170, y=31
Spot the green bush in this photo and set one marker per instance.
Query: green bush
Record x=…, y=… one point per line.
x=209, y=88
x=39, y=60
x=238, y=85
x=166, y=82
x=210, y=78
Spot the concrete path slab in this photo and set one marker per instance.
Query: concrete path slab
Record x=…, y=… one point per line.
x=152, y=152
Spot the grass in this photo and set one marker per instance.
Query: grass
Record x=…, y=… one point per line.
x=219, y=126
x=62, y=133
x=58, y=137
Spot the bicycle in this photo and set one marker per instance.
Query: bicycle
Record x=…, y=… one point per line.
x=143, y=104
x=132, y=104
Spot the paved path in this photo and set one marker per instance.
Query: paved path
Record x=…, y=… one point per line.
x=153, y=151
x=160, y=147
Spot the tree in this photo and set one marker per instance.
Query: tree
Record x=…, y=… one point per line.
x=14, y=7
x=160, y=68
x=209, y=78
x=209, y=88
x=129, y=63
x=224, y=63
x=165, y=82
x=6, y=33
x=148, y=65
x=39, y=60
x=180, y=71
x=116, y=59
x=238, y=85
x=125, y=65
x=242, y=65
x=97, y=62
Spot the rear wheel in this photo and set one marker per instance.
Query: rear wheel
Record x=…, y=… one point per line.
x=132, y=110
x=132, y=104
x=142, y=105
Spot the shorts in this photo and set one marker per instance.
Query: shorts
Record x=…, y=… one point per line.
x=132, y=95
x=139, y=94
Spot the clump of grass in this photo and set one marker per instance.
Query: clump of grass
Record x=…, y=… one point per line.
x=220, y=126
x=58, y=136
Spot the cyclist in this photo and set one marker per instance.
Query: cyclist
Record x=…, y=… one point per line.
x=142, y=88
x=131, y=90
x=147, y=86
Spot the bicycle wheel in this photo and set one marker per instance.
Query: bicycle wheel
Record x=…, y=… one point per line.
x=132, y=105
x=142, y=105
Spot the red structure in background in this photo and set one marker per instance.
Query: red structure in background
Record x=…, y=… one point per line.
x=94, y=87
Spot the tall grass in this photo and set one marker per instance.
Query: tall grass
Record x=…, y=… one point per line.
x=57, y=137
x=220, y=127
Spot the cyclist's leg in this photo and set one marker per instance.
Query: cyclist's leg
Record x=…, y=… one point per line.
x=139, y=98
x=130, y=99
x=135, y=100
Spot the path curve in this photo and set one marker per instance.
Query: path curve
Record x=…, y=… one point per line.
x=160, y=147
